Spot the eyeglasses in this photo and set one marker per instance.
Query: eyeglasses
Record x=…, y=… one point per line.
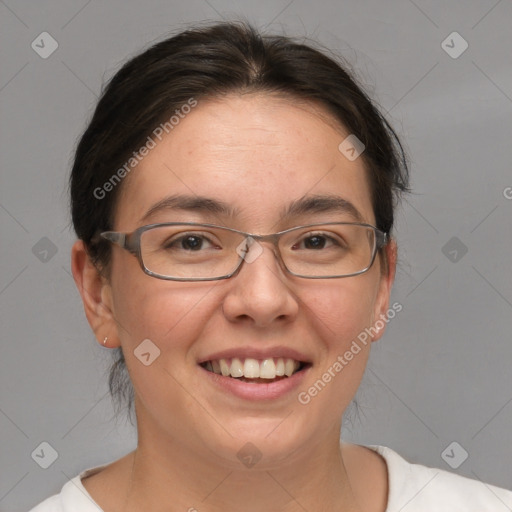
x=187, y=251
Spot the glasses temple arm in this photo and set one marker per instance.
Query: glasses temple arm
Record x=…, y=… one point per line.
x=382, y=239
x=115, y=237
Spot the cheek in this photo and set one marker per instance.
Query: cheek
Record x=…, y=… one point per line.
x=341, y=310
x=168, y=313
x=339, y=315
x=172, y=316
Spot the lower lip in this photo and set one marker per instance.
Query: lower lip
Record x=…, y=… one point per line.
x=256, y=391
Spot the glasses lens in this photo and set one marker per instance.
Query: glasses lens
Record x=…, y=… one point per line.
x=328, y=250
x=205, y=252
x=190, y=252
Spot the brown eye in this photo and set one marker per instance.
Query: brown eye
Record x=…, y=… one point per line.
x=188, y=242
x=191, y=242
x=316, y=242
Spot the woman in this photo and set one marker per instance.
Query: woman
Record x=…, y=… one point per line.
x=233, y=197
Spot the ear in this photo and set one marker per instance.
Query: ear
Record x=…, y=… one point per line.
x=387, y=277
x=96, y=295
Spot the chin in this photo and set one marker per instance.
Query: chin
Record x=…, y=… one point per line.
x=264, y=443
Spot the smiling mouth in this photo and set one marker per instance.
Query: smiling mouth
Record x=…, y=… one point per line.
x=256, y=371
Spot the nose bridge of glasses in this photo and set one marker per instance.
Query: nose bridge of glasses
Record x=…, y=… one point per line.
x=252, y=247
x=271, y=238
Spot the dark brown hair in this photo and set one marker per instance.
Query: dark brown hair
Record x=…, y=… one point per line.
x=210, y=62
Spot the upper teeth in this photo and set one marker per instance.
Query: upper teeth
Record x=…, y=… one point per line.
x=253, y=368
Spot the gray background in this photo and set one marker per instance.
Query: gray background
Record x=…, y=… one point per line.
x=442, y=372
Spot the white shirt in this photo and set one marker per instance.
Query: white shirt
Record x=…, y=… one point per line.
x=411, y=488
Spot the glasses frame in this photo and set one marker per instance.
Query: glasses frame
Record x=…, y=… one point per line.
x=131, y=243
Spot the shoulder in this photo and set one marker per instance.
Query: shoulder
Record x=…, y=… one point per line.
x=72, y=498
x=421, y=488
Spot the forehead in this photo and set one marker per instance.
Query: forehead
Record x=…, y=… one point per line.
x=257, y=154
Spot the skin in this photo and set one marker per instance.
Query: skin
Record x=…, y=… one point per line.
x=258, y=153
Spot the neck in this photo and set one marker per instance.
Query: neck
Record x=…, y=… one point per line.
x=166, y=475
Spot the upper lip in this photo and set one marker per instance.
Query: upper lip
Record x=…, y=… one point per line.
x=257, y=353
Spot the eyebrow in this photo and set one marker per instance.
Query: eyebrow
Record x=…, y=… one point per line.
x=322, y=204
x=305, y=205
x=192, y=203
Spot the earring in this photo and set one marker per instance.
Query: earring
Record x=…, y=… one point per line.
x=105, y=340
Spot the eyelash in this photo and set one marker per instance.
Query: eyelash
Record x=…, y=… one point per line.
x=169, y=244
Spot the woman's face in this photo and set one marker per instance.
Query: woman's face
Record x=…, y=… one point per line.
x=257, y=154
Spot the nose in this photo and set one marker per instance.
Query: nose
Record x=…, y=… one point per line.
x=261, y=292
